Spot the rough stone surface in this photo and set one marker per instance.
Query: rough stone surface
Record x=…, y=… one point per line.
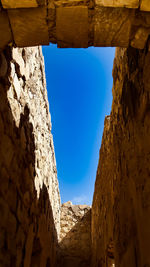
x=102, y=207
x=140, y=38
x=19, y=3
x=72, y=26
x=5, y=30
x=121, y=204
x=29, y=194
x=75, y=23
x=107, y=29
x=145, y=5
x=29, y=26
x=75, y=236
x=118, y=3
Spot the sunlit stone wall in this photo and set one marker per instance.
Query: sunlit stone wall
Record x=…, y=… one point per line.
x=29, y=193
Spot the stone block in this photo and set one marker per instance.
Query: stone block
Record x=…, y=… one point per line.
x=118, y=3
x=19, y=3
x=29, y=26
x=140, y=38
x=145, y=5
x=112, y=26
x=5, y=31
x=72, y=26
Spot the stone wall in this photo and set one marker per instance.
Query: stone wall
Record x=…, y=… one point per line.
x=121, y=204
x=29, y=194
x=75, y=236
x=102, y=207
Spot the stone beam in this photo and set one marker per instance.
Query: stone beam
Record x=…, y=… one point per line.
x=19, y=3
x=120, y=3
x=75, y=23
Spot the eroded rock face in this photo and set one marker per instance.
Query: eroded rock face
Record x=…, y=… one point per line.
x=75, y=236
x=29, y=194
x=121, y=210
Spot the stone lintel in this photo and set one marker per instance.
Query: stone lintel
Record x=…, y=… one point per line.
x=118, y=3
x=72, y=26
x=19, y=3
x=5, y=30
x=145, y=5
x=29, y=26
x=112, y=26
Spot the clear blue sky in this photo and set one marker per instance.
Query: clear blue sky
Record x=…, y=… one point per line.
x=79, y=83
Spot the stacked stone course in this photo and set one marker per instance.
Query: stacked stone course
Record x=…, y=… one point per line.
x=75, y=23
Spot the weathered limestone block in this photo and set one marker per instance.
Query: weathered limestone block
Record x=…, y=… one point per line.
x=118, y=3
x=145, y=5
x=72, y=26
x=112, y=26
x=19, y=3
x=5, y=30
x=75, y=236
x=29, y=26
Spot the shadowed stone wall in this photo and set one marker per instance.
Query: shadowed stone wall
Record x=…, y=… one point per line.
x=75, y=236
x=29, y=194
x=121, y=204
x=103, y=203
